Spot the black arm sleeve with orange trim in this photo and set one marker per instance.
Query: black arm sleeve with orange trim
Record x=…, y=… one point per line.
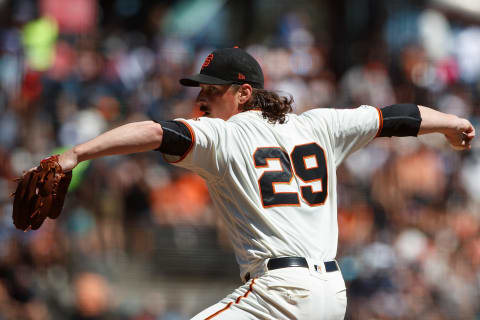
x=400, y=120
x=176, y=139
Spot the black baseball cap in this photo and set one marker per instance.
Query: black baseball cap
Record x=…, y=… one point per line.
x=227, y=66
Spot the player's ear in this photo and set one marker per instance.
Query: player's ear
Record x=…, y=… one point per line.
x=244, y=93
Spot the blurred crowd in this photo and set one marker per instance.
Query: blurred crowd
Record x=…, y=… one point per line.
x=409, y=209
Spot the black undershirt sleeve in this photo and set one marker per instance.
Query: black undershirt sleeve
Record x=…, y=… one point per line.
x=400, y=120
x=177, y=138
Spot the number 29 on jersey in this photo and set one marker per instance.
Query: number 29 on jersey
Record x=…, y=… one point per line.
x=290, y=165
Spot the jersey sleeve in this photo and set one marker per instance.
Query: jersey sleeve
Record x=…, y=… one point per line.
x=207, y=154
x=347, y=129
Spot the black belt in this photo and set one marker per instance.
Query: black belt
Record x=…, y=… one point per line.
x=287, y=262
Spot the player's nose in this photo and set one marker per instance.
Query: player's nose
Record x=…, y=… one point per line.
x=201, y=99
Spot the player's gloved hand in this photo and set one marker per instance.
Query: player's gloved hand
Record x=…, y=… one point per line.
x=461, y=134
x=40, y=194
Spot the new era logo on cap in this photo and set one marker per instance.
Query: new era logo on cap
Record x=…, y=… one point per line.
x=227, y=66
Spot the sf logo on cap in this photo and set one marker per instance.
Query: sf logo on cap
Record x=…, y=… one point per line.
x=207, y=61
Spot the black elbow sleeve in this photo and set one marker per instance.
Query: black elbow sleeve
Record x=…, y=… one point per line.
x=400, y=120
x=177, y=138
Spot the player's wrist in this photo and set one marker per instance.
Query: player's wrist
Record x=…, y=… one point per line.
x=69, y=159
x=452, y=124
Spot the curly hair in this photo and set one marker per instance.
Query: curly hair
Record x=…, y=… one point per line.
x=274, y=107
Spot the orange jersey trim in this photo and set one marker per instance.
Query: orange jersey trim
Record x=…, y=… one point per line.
x=380, y=120
x=192, y=133
x=250, y=289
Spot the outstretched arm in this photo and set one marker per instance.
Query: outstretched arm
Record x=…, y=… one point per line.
x=402, y=120
x=458, y=131
x=129, y=138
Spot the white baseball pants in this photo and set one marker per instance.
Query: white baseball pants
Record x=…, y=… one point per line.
x=286, y=293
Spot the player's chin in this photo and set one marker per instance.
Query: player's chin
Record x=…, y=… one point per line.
x=461, y=148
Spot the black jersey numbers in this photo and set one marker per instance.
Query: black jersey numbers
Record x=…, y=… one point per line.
x=309, y=164
x=269, y=178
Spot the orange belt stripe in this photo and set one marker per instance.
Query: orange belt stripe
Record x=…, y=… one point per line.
x=250, y=289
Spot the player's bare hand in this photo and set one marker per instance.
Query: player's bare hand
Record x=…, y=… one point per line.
x=461, y=134
x=68, y=160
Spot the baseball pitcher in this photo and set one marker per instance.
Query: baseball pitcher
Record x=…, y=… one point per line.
x=272, y=179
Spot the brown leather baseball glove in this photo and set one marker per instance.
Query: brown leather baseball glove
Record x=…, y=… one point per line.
x=40, y=194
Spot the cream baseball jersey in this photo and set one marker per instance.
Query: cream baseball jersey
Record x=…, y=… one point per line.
x=274, y=185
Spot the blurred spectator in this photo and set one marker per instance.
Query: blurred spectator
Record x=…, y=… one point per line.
x=91, y=298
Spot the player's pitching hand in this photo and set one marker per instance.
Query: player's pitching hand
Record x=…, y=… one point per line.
x=461, y=134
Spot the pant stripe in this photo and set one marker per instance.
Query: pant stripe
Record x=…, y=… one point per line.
x=250, y=289
x=219, y=311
